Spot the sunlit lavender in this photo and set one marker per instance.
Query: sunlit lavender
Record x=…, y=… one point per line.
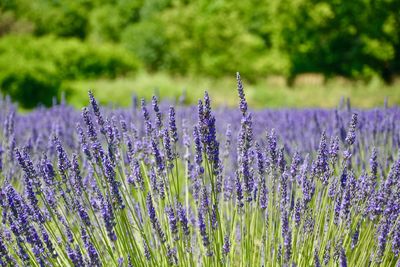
x=161, y=184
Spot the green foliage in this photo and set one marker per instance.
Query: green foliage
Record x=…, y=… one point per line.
x=337, y=38
x=147, y=40
x=357, y=39
x=213, y=44
x=77, y=60
x=63, y=18
x=29, y=82
x=33, y=69
x=9, y=24
x=107, y=21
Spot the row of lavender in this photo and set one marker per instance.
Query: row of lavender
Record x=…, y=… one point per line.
x=155, y=185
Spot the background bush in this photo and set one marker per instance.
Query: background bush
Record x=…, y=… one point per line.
x=29, y=82
x=33, y=69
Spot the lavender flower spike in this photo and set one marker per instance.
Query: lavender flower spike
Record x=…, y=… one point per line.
x=351, y=134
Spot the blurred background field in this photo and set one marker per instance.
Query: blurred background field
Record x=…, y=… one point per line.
x=268, y=92
x=299, y=53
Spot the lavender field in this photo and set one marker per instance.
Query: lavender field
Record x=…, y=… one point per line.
x=162, y=185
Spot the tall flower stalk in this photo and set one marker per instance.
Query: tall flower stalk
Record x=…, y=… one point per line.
x=198, y=186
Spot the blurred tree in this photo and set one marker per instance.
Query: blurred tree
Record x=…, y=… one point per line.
x=107, y=22
x=353, y=39
x=63, y=18
x=214, y=43
x=148, y=42
x=9, y=24
x=359, y=38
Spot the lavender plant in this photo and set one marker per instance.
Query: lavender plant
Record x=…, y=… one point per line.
x=191, y=186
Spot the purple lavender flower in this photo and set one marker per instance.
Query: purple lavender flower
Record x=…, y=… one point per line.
x=82, y=141
x=286, y=235
x=97, y=113
x=48, y=242
x=114, y=184
x=157, y=156
x=16, y=205
x=205, y=202
x=396, y=240
x=327, y=253
x=214, y=217
x=247, y=176
x=146, y=251
x=93, y=253
x=153, y=182
x=351, y=134
x=374, y=162
x=9, y=134
x=200, y=113
x=321, y=164
x=63, y=162
x=260, y=160
x=25, y=163
x=108, y=218
x=272, y=144
x=77, y=182
x=343, y=177
x=239, y=191
x=153, y=219
x=307, y=187
x=203, y=228
x=226, y=248
x=343, y=258
x=294, y=167
x=47, y=171
x=172, y=125
x=157, y=111
x=281, y=162
x=137, y=174
x=171, y=256
x=1, y=158
x=89, y=124
x=243, y=102
x=4, y=253
x=345, y=205
x=9, y=124
x=167, y=148
x=263, y=196
x=83, y=214
x=22, y=252
x=182, y=219
x=228, y=141
x=337, y=208
x=172, y=222
x=75, y=256
x=146, y=116
x=207, y=129
x=297, y=212
x=383, y=231
x=334, y=149
x=198, y=151
x=356, y=234
x=316, y=259
x=207, y=106
x=288, y=245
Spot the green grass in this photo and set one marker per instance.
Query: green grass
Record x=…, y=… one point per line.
x=309, y=91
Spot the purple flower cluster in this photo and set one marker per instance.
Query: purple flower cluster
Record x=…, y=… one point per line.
x=197, y=186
